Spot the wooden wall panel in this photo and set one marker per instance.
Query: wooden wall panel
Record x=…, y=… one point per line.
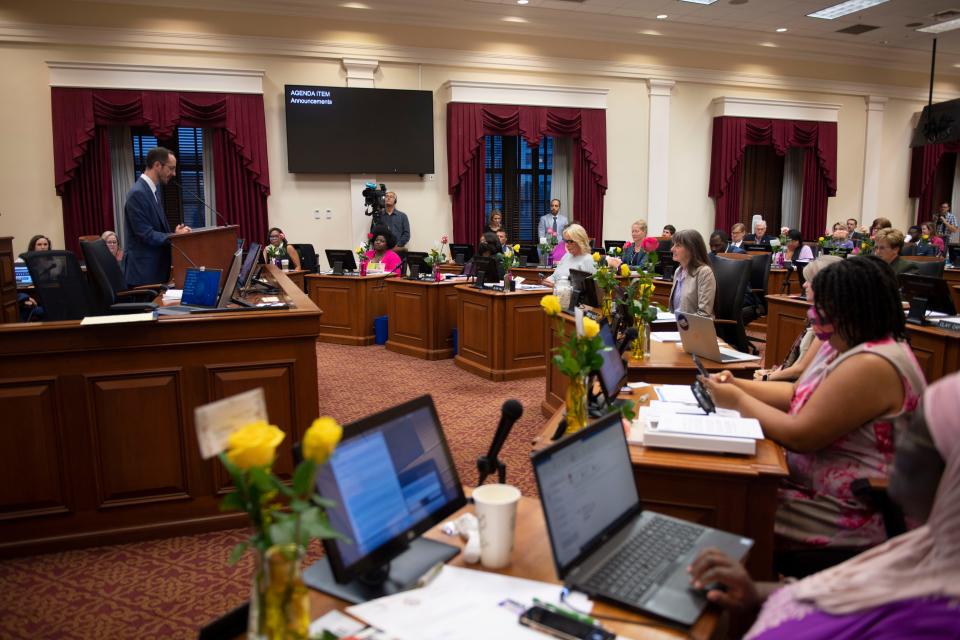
x=33, y=479
x=528, y=340
x=475, y=336
x=139, y=437
x=408, y=315
x=8, y=283
x=336, y=301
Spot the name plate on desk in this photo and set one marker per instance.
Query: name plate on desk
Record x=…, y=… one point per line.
x=217, y=420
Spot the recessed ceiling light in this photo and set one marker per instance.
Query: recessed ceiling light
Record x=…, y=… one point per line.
x=355, y=5
x=940, y=27
x=782, y=30
x=844, y=8
x=514, y=19
x=699, y=1
x=650, y=32
x=522, y=1
x=662, y=16
x=768, y=44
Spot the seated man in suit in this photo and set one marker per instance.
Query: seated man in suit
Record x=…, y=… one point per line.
x=737, y=232
x=720, y=243
x=148, y=234
x=889, y=243
x=759, y=235
x=553, y=221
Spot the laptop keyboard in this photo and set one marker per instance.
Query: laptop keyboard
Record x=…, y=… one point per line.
x=641, y=562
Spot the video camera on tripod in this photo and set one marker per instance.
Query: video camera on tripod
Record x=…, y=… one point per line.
x=373, y=200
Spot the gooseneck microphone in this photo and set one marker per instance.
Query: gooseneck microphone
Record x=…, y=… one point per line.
x=190, y=192
x=628, y=337
x=510, y=412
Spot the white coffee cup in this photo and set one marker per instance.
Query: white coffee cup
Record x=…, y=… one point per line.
x=285, y=265
x=496, y=509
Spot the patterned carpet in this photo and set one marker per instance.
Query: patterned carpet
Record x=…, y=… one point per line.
x=170, y=588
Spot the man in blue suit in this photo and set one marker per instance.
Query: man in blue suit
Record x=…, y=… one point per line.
x=553, y=221
x=148, y=234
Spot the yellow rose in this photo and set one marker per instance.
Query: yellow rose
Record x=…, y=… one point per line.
x=359, y=249
x=550, y=304
x=925, y=237
x=321, y=439
x=590, y=327
x=624, y=270
x=254, y=445
x=516, y=247
x=619, y=250
x=821, y=238
x=596, y=256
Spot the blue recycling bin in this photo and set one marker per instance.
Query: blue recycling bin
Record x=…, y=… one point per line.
x=380, y=330
x=454, y=342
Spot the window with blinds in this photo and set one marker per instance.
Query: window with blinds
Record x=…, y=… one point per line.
x=518, y=183
x=181, y=204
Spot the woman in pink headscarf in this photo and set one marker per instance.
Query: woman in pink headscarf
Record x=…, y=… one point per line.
x=908, y=587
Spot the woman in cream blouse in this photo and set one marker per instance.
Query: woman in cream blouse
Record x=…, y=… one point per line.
x=694, y=285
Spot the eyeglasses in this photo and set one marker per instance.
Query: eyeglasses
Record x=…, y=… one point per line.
x=568, y=241
x=274, y=237
x=110, y=241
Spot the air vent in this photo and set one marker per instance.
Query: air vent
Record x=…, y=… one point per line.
x=913, y=25
x=857, y=29
x=948, y=14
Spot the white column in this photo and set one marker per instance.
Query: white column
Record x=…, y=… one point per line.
x=872, y=150
x=360, y=73
x=658, y=151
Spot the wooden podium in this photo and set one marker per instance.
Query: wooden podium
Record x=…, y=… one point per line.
x=212, y=247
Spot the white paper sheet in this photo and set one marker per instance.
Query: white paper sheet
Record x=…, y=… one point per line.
x=665, y=336
x=666, y=316
x=676, y=393
x=711, y=426
x=172, y=295
x=660, y=408
x=120, y=318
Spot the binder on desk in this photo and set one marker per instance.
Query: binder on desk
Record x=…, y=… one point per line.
x=703, y=433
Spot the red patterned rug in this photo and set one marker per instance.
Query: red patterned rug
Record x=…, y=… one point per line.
x=170, y=588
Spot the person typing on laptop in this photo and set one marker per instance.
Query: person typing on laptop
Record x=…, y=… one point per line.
x=838, y=419
x=694, y=285
x=906, y=588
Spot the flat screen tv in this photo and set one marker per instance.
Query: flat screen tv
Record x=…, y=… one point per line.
x=343, y=130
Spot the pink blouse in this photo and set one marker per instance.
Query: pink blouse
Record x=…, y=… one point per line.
x=391, y=261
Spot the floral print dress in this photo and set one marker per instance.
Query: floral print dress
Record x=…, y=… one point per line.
x=816, y=503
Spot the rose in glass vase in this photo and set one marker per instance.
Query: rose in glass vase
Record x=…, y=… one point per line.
x=284, y=518
x=436, y=256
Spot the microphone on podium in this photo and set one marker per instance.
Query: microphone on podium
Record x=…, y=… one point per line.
x=509, y=414
x=190, y=192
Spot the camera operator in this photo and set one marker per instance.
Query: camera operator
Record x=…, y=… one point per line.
x=395, y=220
x=947, y=223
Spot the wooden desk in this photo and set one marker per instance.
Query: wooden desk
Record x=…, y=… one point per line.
x=532, y=273
x=349, y=304
x=451, y=267
x=9, y=313
x=99, y=446
x=668, y=364
x=937, y=350
x=734, y=493
x=952, y=276
x=776, y=279
x=532, y=559
x=661, y=292
x=296, y=276
x=500, y=335
x=422, y=316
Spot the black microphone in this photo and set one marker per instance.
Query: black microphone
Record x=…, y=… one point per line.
x=510, y=412
x=183, y=253
x=199, y=199
x=628, y=337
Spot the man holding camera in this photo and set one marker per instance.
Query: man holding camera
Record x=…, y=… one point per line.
x=947, y=223
x=395, y=220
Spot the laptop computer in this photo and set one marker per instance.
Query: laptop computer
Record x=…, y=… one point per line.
x=604, y=544
x=22, y=274
x=195, y=304
x=699, y=337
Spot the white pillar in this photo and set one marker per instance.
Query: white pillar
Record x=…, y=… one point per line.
x=872, y=155
x=360, y=74
x=658, y=152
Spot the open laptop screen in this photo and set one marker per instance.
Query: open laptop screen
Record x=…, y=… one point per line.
x=586, y=488
x=612, y=372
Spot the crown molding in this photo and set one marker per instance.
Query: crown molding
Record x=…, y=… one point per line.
x=336, y=51
x=537, y=95
x=777, y=109
x=101, y=75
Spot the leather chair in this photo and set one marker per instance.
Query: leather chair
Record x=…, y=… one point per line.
x=732, y=276
x=110, y=293
x=309, y=261
x=933, y=268
x=59, y=284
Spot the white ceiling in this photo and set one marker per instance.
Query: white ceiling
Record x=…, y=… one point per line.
x=729, y=25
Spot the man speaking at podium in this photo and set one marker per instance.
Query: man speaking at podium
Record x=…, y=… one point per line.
x=148, y=234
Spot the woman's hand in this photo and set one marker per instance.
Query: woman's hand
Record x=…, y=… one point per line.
x=614, y=263
x=722, y=389
x=728, y=583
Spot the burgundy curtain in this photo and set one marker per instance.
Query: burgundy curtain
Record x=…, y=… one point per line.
x=81, y=154
x=923, y=167
x=467, y=124
x=732, y=135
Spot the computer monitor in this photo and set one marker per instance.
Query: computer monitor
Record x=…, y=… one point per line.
x=461, y=253
x=248, y=269
x=608, y=244
x=665, y=244
x=666, y=266
x=531, y=252
x=391, y=478
x=417, y=262
x=757, y=247
x=612, y=373
x=953, y=252
x=925, y=293
x=487, y=265
x=586, y=288
x=231, y=283
x=343, y=256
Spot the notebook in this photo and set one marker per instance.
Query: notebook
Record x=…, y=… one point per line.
x=604, y=544
x=699, y=337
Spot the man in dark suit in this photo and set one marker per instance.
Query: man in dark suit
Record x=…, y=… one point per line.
x=759, y=235
x=148, y=234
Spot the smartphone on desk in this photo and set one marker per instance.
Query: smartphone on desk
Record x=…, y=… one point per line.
x=561, y=626
x=702, y=369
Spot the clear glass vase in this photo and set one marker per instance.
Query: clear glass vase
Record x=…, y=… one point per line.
x=576, y=404
x=641, y=346
x=437, y=275
x=279, y=601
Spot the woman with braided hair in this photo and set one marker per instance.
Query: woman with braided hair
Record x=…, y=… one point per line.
x=838, y=420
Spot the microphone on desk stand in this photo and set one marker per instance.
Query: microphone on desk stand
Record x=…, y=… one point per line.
x=510, y=412
x=628, y=337
x=190, y=192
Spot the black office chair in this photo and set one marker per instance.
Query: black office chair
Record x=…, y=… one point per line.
x=230, y=625
x=759, y=277
x=108, y=287
x=932, y=268
x=60, y=284
x=309, y=261
x=732, y=277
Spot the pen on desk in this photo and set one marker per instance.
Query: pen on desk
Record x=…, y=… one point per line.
x=429, y=575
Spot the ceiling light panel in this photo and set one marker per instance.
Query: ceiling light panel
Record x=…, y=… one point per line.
x=941, y=27
x=845, y=8
x=699, y=1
